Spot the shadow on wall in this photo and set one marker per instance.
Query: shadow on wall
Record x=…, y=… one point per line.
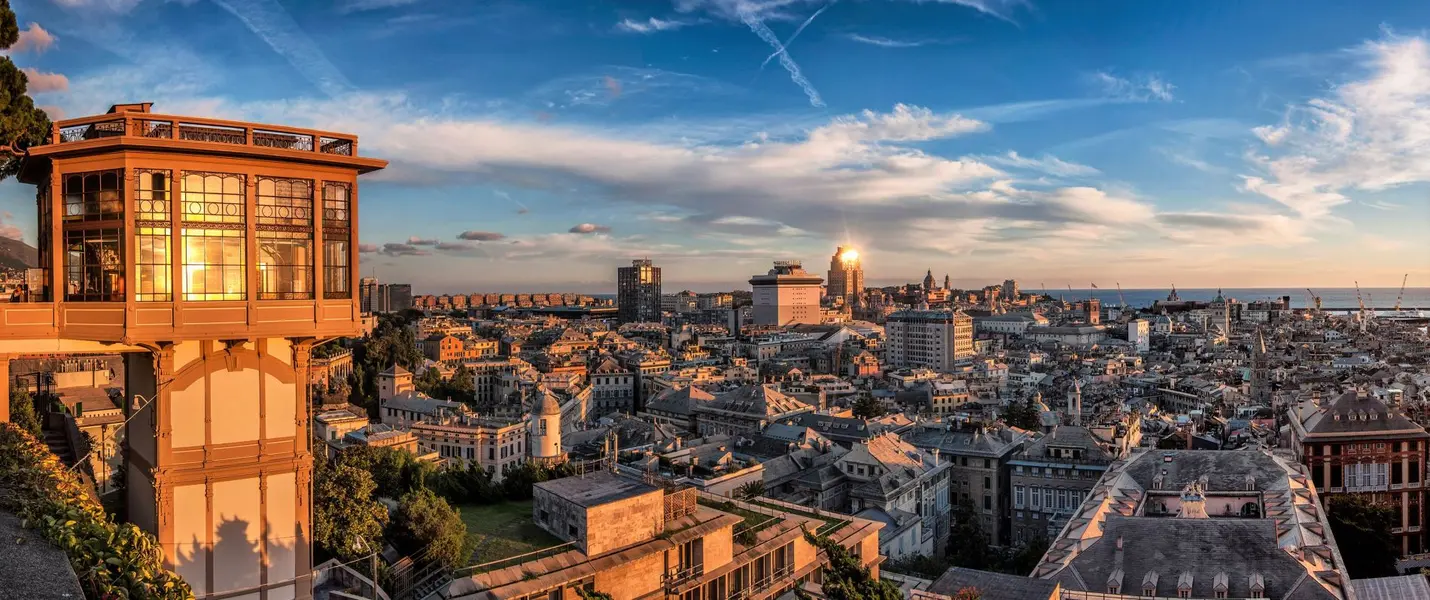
x=237, y=559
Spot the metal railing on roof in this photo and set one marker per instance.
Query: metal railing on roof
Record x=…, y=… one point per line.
x=145, y=125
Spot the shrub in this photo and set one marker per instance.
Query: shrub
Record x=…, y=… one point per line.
x=112, y=560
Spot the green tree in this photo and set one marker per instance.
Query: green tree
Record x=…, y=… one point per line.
x=848, y=579
x=22, y=410
x=1023, y=560
x=345, y=512
x=425, y=523
x=967, y=543
x=395, y=471
x=1364, y=527
x=21, y=123
x=869, y=407
x=1023, y=415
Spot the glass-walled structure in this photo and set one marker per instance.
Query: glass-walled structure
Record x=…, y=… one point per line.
x=155, y=222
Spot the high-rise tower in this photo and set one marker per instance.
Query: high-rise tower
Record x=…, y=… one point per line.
x=846, y=276
x=638, y=293
x=214, y=255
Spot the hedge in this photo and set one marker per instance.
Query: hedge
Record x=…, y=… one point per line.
x=113, y=561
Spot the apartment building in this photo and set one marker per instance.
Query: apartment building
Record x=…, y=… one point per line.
x=933, y=339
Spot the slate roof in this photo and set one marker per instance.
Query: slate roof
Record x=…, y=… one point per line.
x=762, y=401
x=1352, y=413
x=1202, y=548
x=994, y=441
x=993, y=586
x=1069, y=436
x=680, y=401
x=1404, y=587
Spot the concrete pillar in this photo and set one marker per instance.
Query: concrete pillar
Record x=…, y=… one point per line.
x=5, y=388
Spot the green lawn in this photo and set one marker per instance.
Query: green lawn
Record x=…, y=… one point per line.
x=503, y=530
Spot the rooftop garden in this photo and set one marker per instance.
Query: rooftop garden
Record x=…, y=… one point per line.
x=112, y=560
x=504, y=530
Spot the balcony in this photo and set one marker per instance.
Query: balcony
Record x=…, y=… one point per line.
x=212, y=131
x=119, y=321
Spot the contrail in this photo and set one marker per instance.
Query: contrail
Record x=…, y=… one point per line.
x=270, y=21
x=796, y=34
x=768, y=36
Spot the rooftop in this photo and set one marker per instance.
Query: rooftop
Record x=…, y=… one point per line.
x=595, y=489
x=992, y=586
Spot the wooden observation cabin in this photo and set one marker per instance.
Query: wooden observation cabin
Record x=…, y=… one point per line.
x=213, y=255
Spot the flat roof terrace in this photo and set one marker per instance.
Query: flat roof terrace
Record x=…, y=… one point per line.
x=595, y=489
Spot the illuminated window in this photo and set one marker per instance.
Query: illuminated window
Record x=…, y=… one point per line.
x=336, y=273
x=94, y=196
x=285, y=202
x=152, y=266
x=213, y=264
x=94, y=265
x=151, y=196
x=153, y=236
x=213, y=198
x=337, y=241
x=285, y=265
x=214, y=246
x=285, y=239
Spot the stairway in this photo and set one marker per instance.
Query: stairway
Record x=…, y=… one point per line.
x=60, y=445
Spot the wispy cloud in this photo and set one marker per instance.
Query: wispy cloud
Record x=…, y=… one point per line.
x=756, y=25
x=884, y=42
x=651, y=25
x=797, y=31
x=1144, y=88
x=8, y=228
x=417, y=241
x=1001, y=9
x=1365, y=134
x=395, y=249
x=268, y=20
x=1050, y=165
x=33, y=39
x=350, y=6
x=115, y=6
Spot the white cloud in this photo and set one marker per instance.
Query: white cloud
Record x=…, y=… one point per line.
x=8, y=228
x=41, y=82
x=33, y=39
x=651, y=25
x=589, y=228
x=271, y=22
x=1366, y=134
x=1145, y=88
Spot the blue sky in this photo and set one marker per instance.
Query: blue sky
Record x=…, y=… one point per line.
x=539, y=145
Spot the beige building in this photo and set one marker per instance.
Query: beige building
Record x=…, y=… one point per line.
x=213, y=255
x=787, y=295
x=632, y=540
x=492, y=444
x=933, y=339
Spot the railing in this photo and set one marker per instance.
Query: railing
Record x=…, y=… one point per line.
x=674, y=579
x=779, y=575
x=145, y=125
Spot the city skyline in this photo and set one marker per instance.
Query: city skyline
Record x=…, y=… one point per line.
x=927, y=135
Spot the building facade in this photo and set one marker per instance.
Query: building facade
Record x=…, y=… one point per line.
x=464, y=440
x=638, y=293
x=786, y=295
x=846, y=276
x=1052, y=478
x=213, y=255
x=1356, y=444
x=933, y=339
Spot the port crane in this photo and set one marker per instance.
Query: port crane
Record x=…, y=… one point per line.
x=1120, y=299
x=1401, y=295
x=1361, y=301
x=1315, y=301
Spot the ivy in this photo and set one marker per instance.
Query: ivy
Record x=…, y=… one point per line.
x=111, y=560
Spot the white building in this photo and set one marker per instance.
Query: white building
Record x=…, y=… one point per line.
x=933, y=339
x=1011, y=324
x=1139, y=335
x=787, y=295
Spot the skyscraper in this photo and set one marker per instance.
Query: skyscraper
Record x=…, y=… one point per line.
x=638, y=293
x=846, y=276
x=787, y=295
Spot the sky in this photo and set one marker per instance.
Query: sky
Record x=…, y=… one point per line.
x=538, y=145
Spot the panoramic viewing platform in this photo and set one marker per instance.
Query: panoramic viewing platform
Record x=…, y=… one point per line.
x=157, y=227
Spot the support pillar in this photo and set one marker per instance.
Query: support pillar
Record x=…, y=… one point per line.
x=5, y=388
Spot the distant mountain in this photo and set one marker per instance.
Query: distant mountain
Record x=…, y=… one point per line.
x=15, y=254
